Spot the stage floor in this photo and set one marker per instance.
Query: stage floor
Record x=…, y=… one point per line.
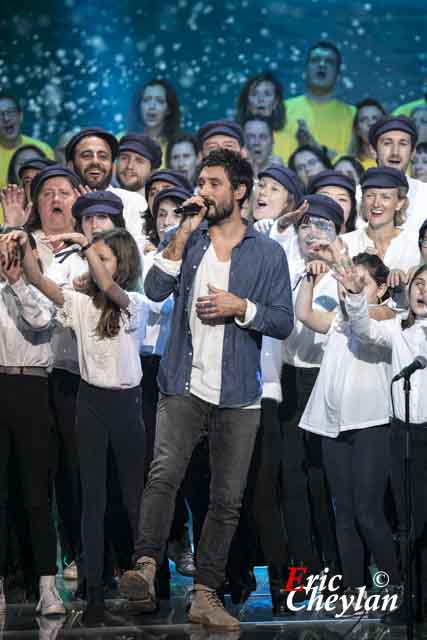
x=20, y=621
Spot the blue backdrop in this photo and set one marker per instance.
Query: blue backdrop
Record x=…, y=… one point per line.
x=78, y=63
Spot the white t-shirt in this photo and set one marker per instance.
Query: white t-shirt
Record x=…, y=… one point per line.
x=111, y=363
x=207, y=338
x=352, y=388
x=402, y=252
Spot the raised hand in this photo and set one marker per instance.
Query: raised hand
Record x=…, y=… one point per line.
x=348, y=276
x=292, y=217
x=12, y=200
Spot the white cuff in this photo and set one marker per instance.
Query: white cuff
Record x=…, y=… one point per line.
x=249, y=315
x=171, y=267
x=19, y=287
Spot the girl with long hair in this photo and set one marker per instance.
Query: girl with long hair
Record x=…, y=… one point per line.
x=106, y=319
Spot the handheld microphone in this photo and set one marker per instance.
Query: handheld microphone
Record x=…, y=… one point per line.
x=419, y=363
x=191, y=209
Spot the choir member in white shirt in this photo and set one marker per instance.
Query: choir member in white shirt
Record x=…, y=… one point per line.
x=349, y=410
x=106, y=320
x=405, y=339
x=91, y=153
x=27, y=322
x=289, y=371
x=393, y=140
x=385, y=204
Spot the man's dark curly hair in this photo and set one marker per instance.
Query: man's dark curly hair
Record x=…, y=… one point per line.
x=238, y=169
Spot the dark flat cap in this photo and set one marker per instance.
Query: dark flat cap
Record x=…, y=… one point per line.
x=175, y=178
x=175, y=193
x=144, y=146
x=392, y=123
x=324, y=207
x=383, y=178
x=329, y=178
x=36, y=163
x=86, y=133
x=286, y=177
x=97, y=203
x=220, y=127
x=53, y=171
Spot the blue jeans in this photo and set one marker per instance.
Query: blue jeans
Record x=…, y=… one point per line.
x=231, y=434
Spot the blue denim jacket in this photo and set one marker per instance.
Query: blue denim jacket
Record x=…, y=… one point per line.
x=258, y=272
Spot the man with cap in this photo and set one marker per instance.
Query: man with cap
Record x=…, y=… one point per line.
x=139, y=155
x=393, y=140
x=164, y=179
x=221, y=134
x=384, y=201
x=91, y=153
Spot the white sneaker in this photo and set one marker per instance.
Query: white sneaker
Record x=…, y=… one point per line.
x=2, y=596
x=70, y=572
x=50, y=602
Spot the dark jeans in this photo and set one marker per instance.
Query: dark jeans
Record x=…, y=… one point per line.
x=231, y=434
x=150, y=397
x=26, y=424
x=107, y=417
x=357, y=465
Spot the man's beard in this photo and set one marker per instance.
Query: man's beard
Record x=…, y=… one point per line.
x=101, y=184
x=136, y=185
x=220, y=213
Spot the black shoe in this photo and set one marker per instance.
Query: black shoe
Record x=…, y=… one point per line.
x=94, y=613
x=241, y=589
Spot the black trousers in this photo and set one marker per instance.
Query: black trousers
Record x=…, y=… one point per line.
x=64, y=387
x=107, y=417
x=418, y=464
x=26, y=425
x=269, y=487
x=357, y=465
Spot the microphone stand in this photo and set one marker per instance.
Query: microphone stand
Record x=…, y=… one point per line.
x=408, y=512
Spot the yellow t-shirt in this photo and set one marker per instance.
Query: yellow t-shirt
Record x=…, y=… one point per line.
x=6, y=154
x=329, y=122
x=406, y=109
